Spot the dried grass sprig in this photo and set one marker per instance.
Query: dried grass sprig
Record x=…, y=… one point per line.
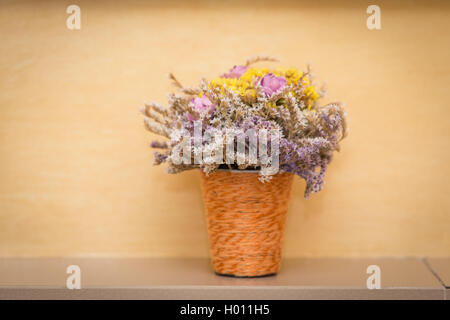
x=151, y=113
x=175, y=81
x=157, y=107
x=292, y=106
x=156, y=127
x=191, y=91
x=255, y=59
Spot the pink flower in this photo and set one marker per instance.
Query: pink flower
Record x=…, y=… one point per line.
x=235, y=72
x=271, y=84
x=201, y=105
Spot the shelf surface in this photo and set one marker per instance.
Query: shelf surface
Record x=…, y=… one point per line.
x=193, y=278
x=441, y=269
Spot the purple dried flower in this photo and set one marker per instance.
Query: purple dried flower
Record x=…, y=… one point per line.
x=235, y=72
x=158, y=145
x=271, y=84
x=202, y=104
x=159, y=158
x=303, y=161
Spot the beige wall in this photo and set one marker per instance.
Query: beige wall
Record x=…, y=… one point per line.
x=75, y=167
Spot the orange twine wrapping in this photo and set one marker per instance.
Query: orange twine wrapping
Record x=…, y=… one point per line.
x=245, y=220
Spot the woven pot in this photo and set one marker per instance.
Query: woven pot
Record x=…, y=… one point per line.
x=245, y=220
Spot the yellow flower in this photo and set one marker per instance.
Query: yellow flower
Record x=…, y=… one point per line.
x=243, y=85
x=291, y=75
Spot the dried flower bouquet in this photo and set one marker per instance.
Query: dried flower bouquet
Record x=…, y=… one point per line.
x=282, y=100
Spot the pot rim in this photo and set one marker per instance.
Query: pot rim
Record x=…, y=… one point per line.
x=234, y=170
x=243, y=171
x=239, y=170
